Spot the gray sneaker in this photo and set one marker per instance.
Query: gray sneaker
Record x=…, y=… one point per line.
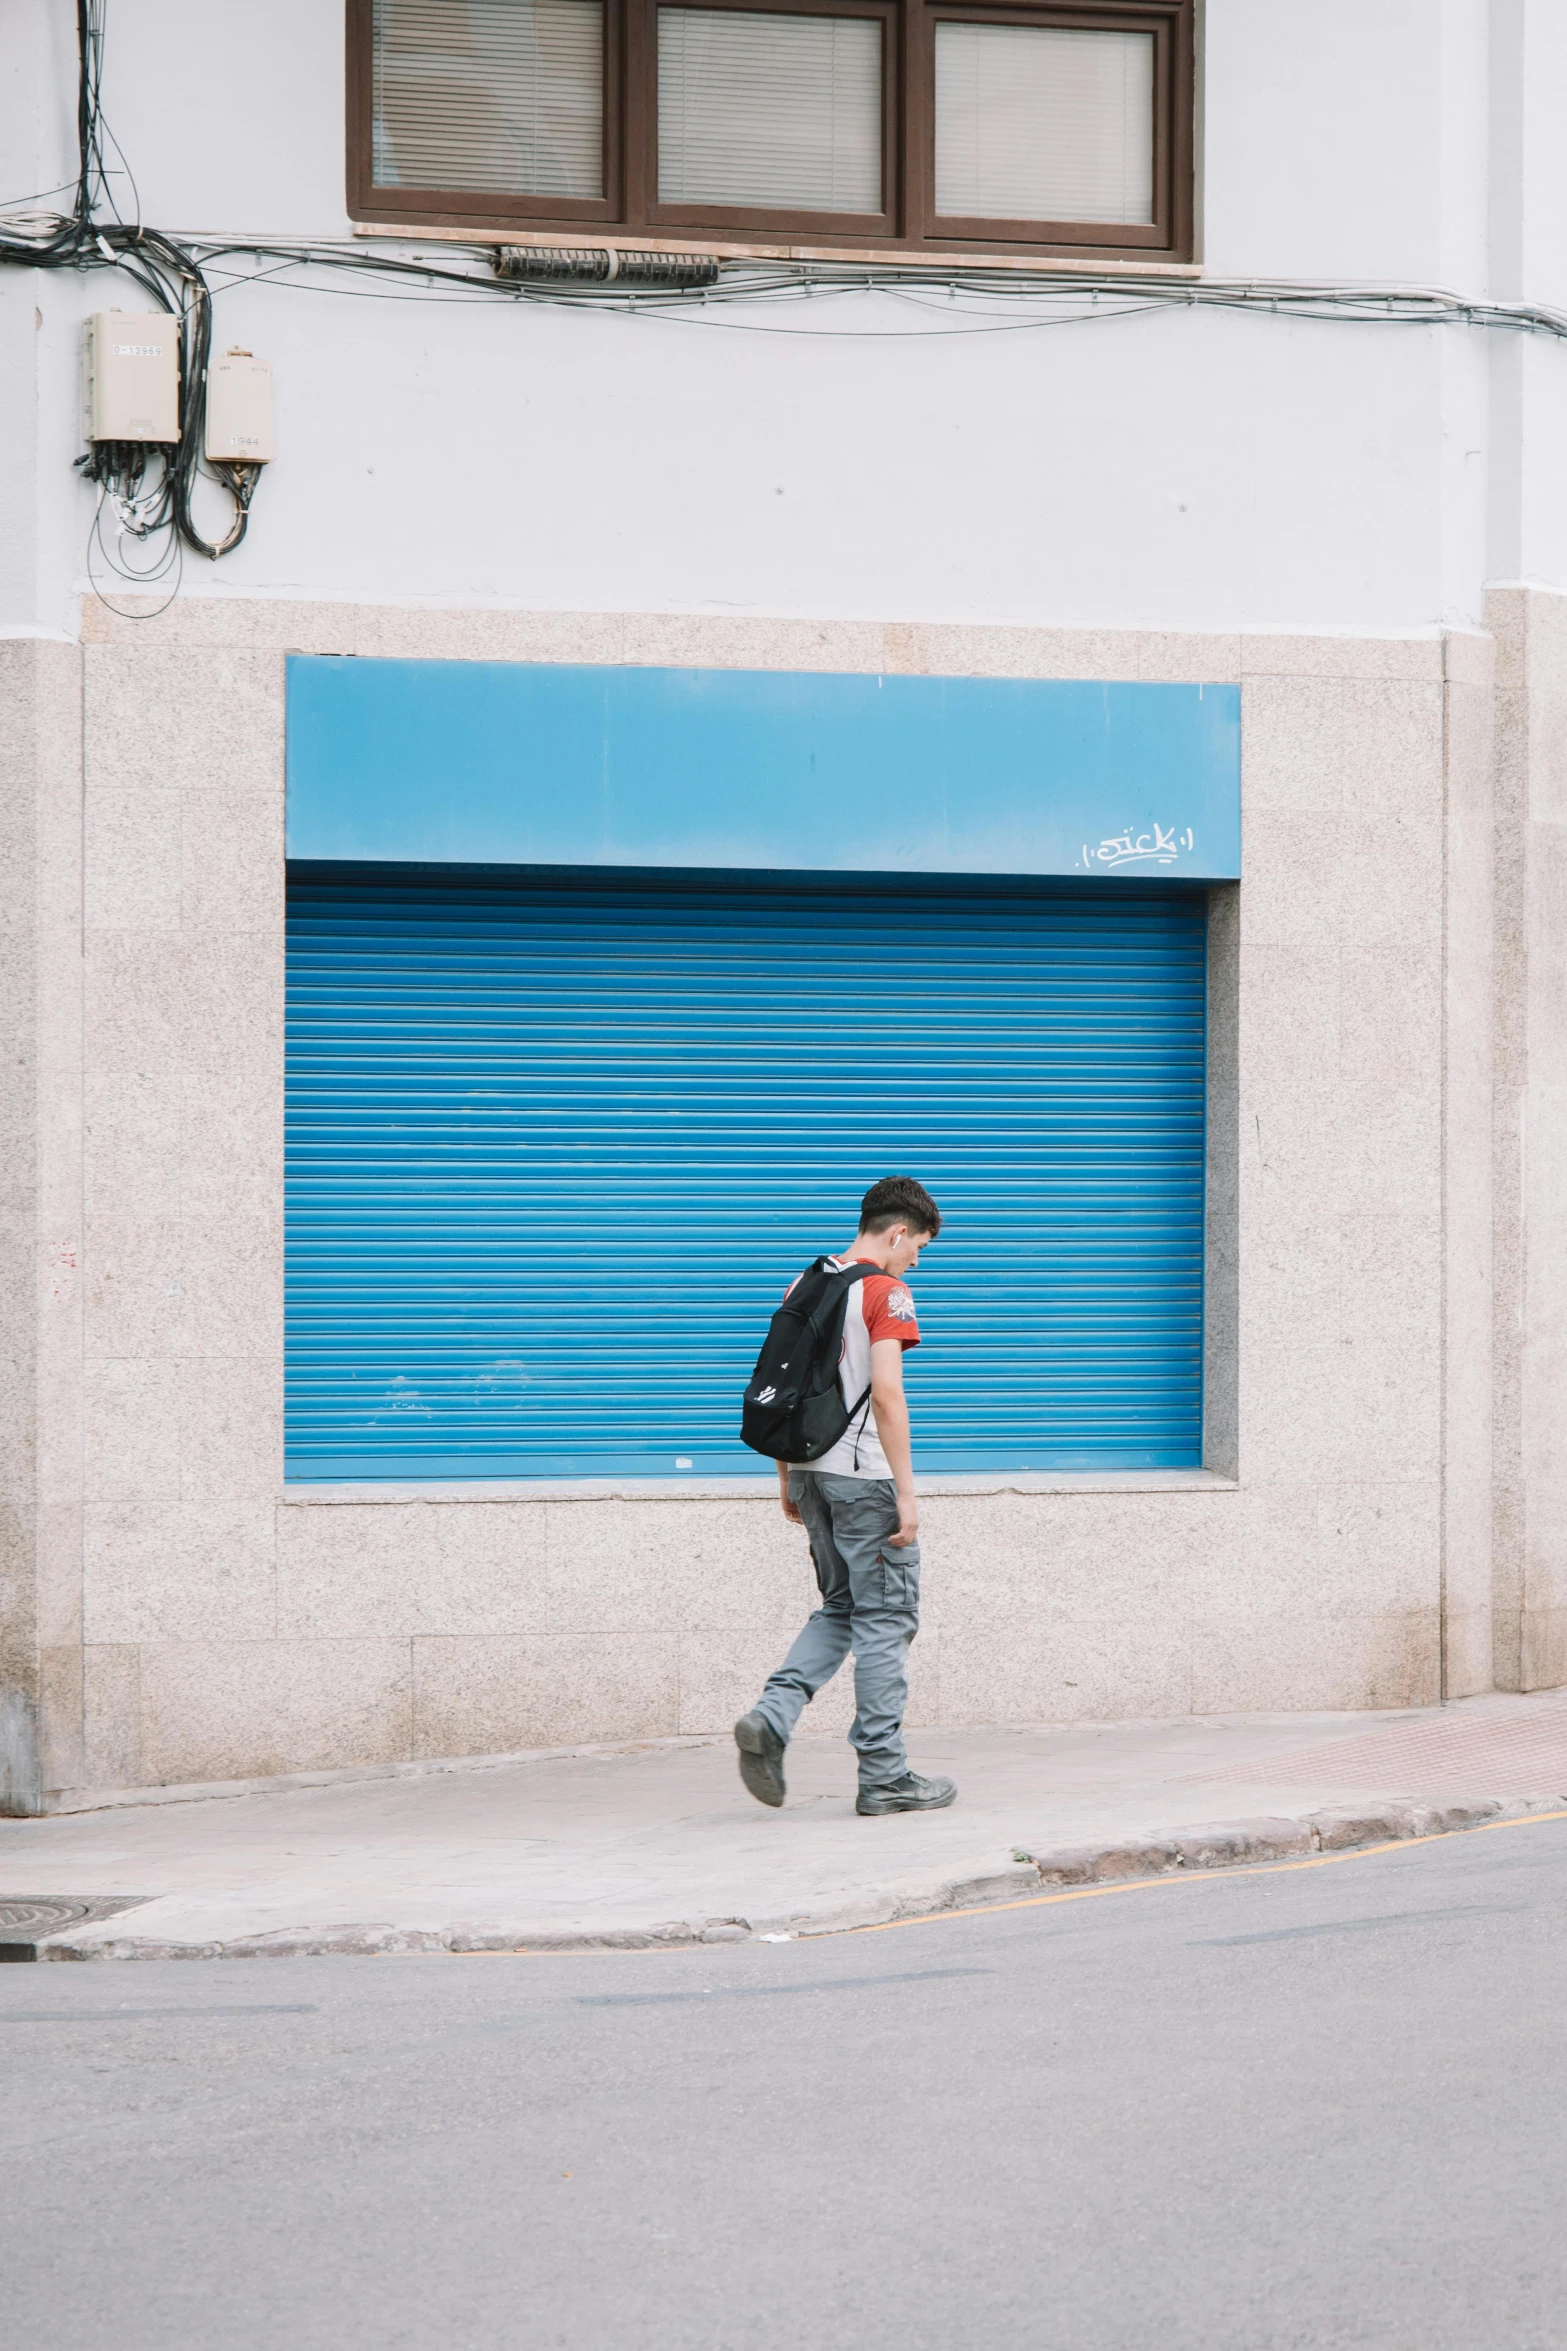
x=761, y=1758
x=910, y=1794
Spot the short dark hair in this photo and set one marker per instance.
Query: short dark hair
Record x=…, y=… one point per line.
x=899, y=1200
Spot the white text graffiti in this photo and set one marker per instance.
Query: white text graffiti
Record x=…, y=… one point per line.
x=1154, y=847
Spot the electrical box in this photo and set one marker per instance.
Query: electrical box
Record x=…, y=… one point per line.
x=133, y=376
x=241, y=421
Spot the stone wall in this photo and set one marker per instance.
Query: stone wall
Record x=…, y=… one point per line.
x=1530, y=631
x=40, y=1219
x=207, y=1625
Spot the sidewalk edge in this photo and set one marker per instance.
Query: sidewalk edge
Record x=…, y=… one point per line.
x=1219, y=1845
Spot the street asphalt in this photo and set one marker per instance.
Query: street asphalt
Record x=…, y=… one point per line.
x=1313, y=2105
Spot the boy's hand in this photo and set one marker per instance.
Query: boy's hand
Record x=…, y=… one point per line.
x=908, y=1522
x=791, y=1510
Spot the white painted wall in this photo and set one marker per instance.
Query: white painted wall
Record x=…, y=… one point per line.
x=857, y=457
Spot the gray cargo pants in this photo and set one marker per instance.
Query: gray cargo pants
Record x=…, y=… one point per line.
x=870, y=1604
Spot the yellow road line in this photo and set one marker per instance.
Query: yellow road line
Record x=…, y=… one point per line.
x=1195, y=1877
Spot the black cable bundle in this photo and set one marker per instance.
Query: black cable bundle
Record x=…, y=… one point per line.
x=172, y=275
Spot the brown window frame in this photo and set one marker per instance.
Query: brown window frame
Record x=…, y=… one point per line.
x=907, y=225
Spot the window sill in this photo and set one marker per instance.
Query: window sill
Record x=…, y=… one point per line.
x=756, y=1489
x=589, y=237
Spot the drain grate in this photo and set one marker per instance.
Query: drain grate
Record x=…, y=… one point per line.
x=27, y=1919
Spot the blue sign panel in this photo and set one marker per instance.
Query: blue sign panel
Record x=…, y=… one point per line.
x=523, y=763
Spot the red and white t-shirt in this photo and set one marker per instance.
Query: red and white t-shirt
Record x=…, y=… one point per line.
x=879, y=1307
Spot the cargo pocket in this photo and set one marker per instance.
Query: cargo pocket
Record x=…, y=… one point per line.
x=900, y=1577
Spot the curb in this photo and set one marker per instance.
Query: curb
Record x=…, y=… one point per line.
x=1217, y=1846
x=1233, y=1844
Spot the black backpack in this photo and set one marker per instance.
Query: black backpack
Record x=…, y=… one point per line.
x=794, y=1408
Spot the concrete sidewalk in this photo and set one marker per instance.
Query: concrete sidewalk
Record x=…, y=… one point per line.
x=643, y=1845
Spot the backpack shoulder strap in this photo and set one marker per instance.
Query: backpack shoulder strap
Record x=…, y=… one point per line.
x=850, y=1273
x=824, y=1269
x=832, y=1298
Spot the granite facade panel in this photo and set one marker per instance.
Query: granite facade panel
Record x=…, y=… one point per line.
x=228, y=1631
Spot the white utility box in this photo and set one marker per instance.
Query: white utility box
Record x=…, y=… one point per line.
x=241, y=419
x=133, y=376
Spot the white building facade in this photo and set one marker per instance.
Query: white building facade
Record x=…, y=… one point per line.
x=1218, y=376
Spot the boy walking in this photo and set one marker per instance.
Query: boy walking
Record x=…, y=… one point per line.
x=856, y=1504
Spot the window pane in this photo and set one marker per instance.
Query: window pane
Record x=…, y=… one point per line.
x=505, y=97
x=782, y=111
x=1039, y=125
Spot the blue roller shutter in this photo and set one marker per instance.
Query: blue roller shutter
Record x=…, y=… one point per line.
x=556, y=1146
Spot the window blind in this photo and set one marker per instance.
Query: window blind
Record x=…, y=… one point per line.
x=504, y=97
x=1041, y=124
x=775, y=111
